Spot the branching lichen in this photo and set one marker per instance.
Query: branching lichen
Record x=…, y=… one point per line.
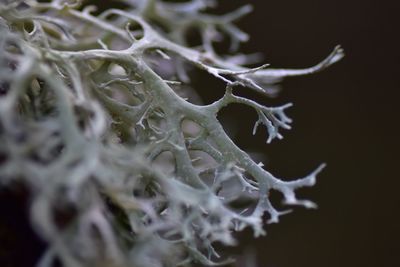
x=93, y=122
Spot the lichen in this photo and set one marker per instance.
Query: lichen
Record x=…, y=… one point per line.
x=123, y=168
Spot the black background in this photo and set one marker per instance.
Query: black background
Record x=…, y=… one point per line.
x=346, y=116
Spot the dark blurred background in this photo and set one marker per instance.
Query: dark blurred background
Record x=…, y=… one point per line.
x=346, y=116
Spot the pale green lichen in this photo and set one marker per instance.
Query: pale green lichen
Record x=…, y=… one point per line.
x=94, y=122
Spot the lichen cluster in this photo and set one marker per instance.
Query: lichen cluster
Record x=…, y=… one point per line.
x=97, y=119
